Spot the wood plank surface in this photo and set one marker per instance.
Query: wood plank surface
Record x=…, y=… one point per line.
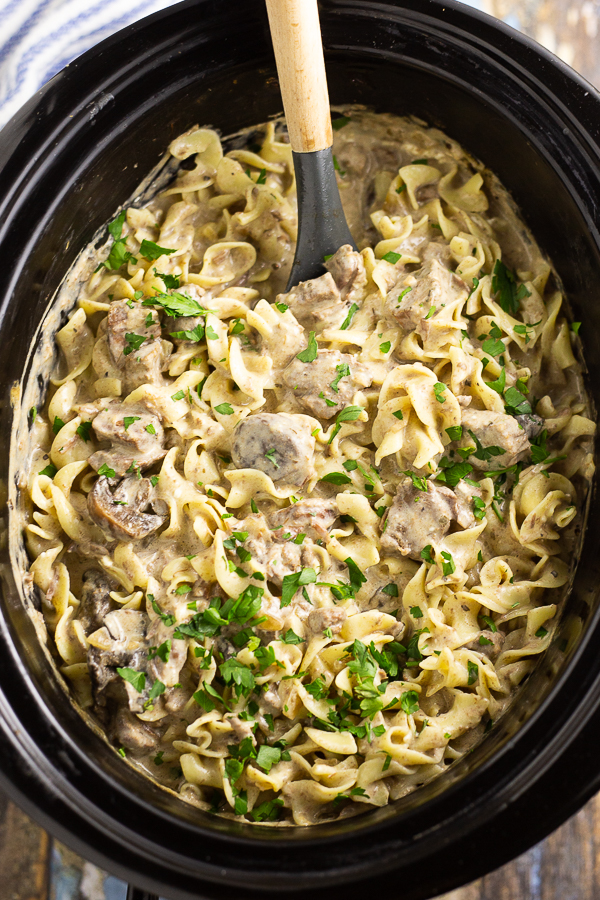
x=566, y=866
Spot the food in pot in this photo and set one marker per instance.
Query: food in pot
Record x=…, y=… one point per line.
x=296, y=551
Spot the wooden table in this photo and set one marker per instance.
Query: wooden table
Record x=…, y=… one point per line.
x=566, y=866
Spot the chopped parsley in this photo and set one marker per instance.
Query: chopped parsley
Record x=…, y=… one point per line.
x=473, y=670
x=409, y=702
x=282, y=307
x=349, y=414
x=348, y=320
x=392, y=257
x=50, y=470
x=129, y=420
x=340, y=122
x=292, y=582
x=290, y=637
x=420, y=483
x=427, y=554
x=136, y=679
x=151, y=251
x=196, y=334
x=455, y=432
x=225, y=409
x=343, y=371
x=83, y=430
x=385, y=347
x=504, y=284
x=336, y=478
x=516, y=404
x=167, y=618
x=398, y=414
x=133, y=342
x=106, y=470
x=176, y=305
x=438, y=389
x=310, y=354
x=57, y=424
x=270, y=455
x=391, y=589
x=448, y=565
x=478, y=508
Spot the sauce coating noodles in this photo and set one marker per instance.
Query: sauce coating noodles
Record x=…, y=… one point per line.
x=296, y=551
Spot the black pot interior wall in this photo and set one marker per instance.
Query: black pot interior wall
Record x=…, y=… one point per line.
x=87, y=154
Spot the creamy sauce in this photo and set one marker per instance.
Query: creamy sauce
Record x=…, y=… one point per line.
x=296, y=551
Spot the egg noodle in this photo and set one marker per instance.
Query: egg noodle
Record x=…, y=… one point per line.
x=296, y=551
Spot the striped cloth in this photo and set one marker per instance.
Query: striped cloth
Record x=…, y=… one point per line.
x=39, y=37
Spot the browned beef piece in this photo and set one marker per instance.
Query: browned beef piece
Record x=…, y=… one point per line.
x=132, y=734
x=121, y=513
x=327, y=384
x=124, y=319
x=278, y=444
x=141, y=356
x=317, y=304
x=493, y=429
x=102, y=665
x=320, y=619
x=491, y=646
x=417, y=518
x=95, y=600
x=435, y=286
x=348, y=270
x=314, y=518
x=136, y=435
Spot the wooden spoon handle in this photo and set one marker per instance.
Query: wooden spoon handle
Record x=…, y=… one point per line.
x=296, y=35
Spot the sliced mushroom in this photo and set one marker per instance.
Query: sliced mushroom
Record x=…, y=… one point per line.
x=122, y=513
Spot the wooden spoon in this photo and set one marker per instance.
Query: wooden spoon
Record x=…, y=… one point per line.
x=322, y=227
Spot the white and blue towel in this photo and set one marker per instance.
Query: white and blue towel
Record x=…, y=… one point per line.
x=39, y=37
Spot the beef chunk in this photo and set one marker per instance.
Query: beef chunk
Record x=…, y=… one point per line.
x=320, y=619
x=493, y=429
x=95, y=600
x=128, y=326
x=491, y=645
x=317, y=304
x=418, y=518
x=348, y=270
x=309, y=381
x=133, y=735
x=278, y=558
x=314, y=518
x=139, y=442
x=432, y=286
x=278, y=444
x=102, y=666
x=121, y=513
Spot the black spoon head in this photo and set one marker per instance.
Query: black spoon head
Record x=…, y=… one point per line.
x=322, y=227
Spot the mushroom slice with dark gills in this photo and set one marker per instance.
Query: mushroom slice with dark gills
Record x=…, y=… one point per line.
x=136, y=435
x=279, y=444
x=121, y=513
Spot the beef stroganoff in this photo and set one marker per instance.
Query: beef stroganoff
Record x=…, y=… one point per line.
x=297, y=551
